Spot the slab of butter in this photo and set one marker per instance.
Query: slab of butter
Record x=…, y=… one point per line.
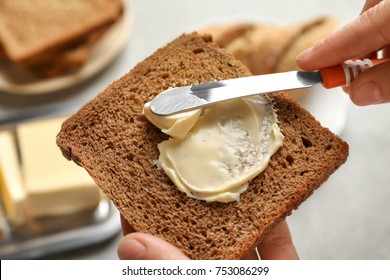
x=13, y=194
x=54, y=185
x=177, y=125
x=230, y=144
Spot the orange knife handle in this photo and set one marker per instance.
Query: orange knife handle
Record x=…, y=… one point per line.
x=344, y=74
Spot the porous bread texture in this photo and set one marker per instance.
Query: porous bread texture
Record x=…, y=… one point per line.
x=114, y=142
x=32, y=27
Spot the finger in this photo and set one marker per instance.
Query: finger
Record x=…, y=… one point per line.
x=369, y=4
x=369, y=32
x=142, y=246
x=372, y=86
x=278, y=245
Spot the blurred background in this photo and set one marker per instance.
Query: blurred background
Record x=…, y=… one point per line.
x=347, y=218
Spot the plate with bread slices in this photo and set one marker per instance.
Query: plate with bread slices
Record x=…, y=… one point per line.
x=54, y=46
x=267, y=45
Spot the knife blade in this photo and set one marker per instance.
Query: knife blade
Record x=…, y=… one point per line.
x=180, y=99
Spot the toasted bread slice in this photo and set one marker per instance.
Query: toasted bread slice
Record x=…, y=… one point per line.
x=29, y=28
x=111, y=138
x=65, y=60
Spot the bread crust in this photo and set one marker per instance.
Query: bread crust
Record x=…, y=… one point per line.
x=115, y=143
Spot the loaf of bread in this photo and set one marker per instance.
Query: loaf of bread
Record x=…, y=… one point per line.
x=111, y=138
x=268, y=48
x=40, y=35
x=309, y=33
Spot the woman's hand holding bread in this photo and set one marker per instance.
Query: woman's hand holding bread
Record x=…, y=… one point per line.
x=140, y=246
x=363, y=37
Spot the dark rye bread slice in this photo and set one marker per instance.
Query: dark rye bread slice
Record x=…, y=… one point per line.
x=115, y=143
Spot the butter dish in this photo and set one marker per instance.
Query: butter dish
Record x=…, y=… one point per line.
x=49, y=205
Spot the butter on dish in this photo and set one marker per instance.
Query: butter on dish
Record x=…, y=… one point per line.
x=222, y=148
x=54, y=187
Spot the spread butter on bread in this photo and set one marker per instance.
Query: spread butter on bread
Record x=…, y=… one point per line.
x=111, y=138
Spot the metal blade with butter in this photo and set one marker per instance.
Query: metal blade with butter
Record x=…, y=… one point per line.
x=179, y=99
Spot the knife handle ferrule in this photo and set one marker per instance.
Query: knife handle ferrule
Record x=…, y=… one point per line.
x=345, y=73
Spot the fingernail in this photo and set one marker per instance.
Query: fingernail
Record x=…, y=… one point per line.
x=367, y=94
x=346, y=89
x=132, y=249
x=303, y=55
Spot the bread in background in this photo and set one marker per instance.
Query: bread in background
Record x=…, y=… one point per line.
x=259, y=46
x=309, y=34
x=269, y=48
x=53, y=37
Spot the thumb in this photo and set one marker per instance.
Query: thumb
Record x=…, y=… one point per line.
x=372, y=86
x=142, y=246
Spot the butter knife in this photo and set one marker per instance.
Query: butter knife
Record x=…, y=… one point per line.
x=180, y=99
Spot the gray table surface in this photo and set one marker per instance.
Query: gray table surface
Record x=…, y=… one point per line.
x=347, y=218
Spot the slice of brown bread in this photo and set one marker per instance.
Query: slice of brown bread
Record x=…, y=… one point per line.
x=32, y=27
x=67, y=59
x=113, y=141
